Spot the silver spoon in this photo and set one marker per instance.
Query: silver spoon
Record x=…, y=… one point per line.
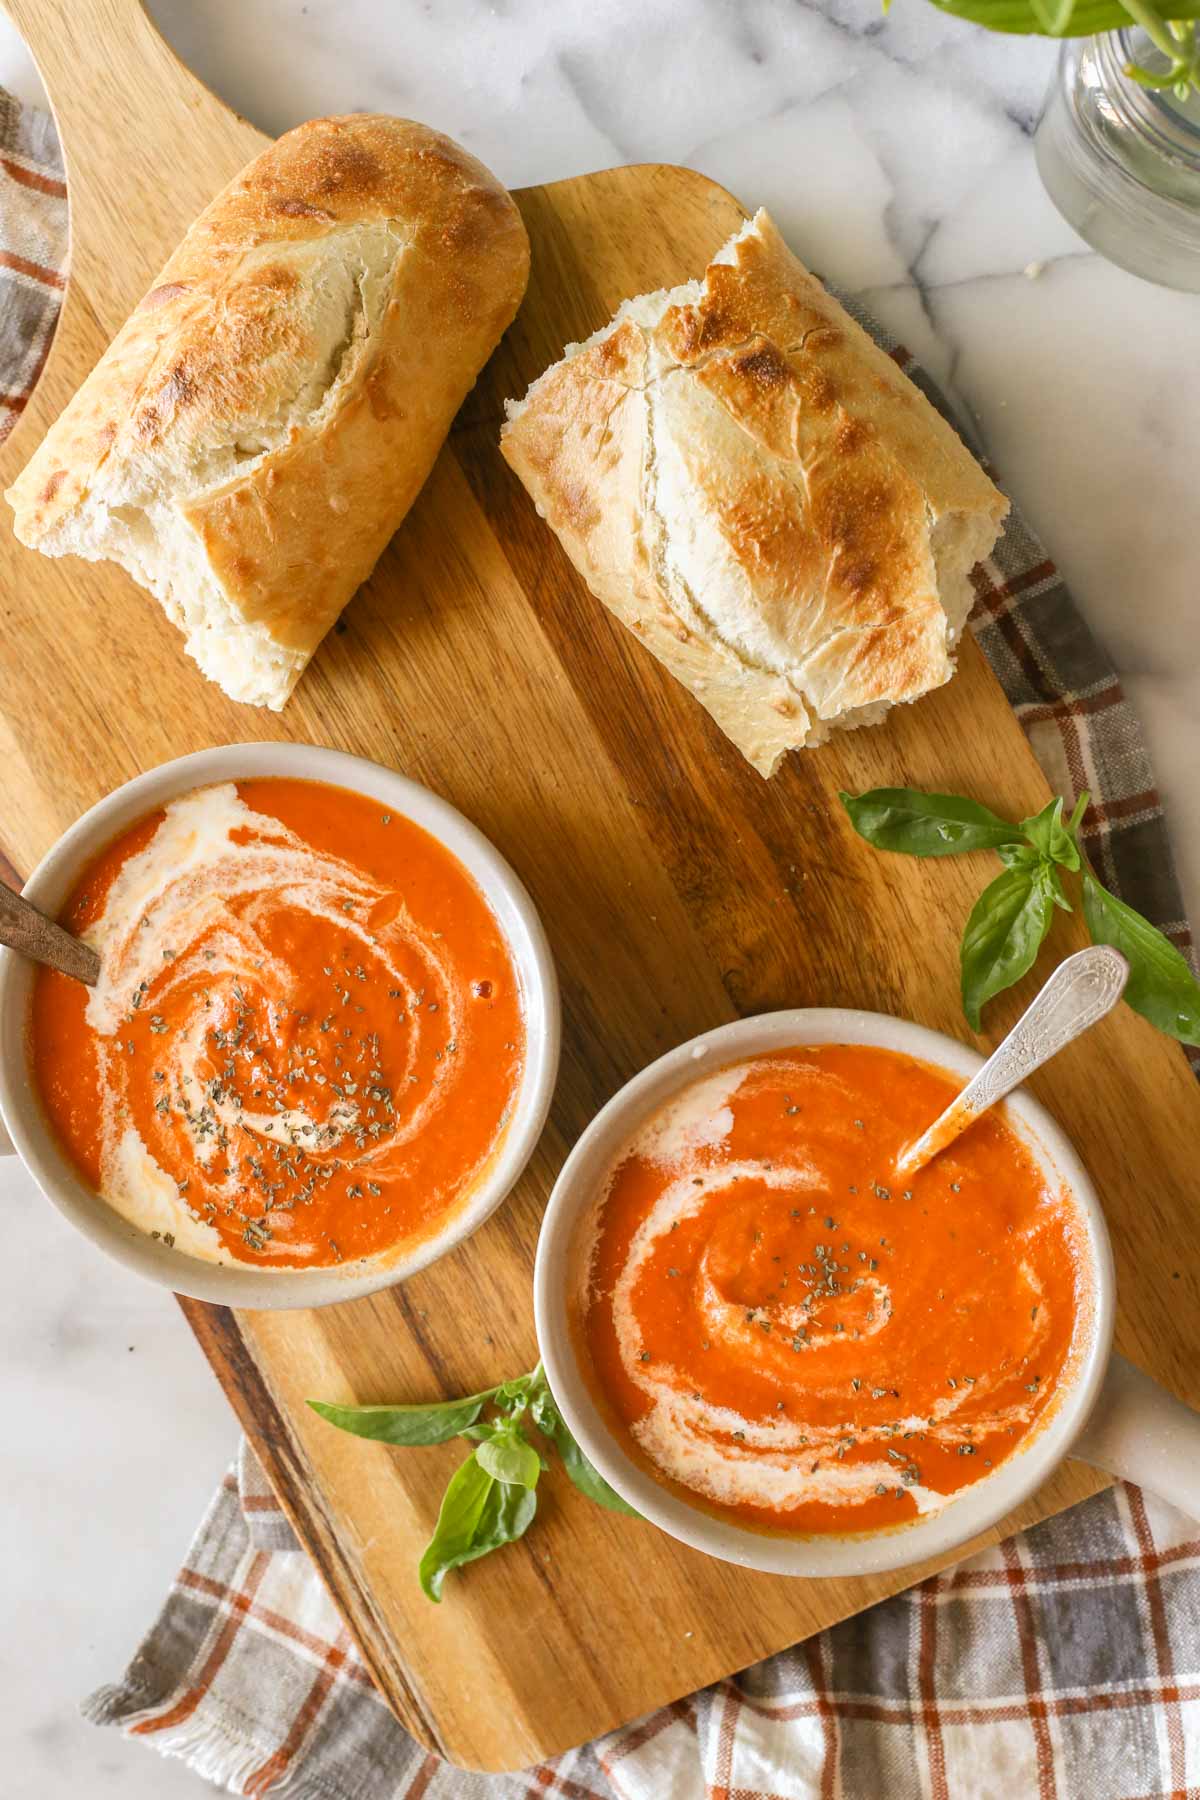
x=24, y=929
x=1079, y=993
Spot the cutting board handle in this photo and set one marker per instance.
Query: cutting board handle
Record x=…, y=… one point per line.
x=127, y=111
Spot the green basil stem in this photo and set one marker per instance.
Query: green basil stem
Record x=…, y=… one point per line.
x=1164, y=39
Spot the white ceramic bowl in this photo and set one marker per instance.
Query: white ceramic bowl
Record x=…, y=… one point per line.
x=1137, y=1430
x=48, y=888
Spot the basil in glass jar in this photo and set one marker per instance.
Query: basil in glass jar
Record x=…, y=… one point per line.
x=1121, y=160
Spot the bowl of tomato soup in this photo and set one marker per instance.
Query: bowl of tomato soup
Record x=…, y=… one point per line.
x=785, y=1355
x=323, y=1040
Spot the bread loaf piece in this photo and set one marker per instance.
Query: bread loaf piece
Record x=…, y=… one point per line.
x=259, y=427
x=756, y=489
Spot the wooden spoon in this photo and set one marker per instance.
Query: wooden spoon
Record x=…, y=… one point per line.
x=1080, y=992
x=24, y=929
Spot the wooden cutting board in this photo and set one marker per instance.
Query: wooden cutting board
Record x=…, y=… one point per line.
x=677, y=887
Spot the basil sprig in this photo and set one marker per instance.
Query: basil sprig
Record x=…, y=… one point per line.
x=1009, y=921
x=491, y=1498
x=926, y=824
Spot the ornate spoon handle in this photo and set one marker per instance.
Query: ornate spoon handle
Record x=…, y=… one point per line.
x=1080, y=992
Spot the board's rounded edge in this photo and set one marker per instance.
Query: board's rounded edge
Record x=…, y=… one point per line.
x=635, y=172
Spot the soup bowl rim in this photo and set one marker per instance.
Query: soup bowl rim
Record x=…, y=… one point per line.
x=977, y=1509
x=235, y=1284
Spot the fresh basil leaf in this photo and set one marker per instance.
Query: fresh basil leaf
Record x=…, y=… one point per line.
x=1054, y=16
x=508, y=1457
x=454, y=1536
x=1161, y=986
x=514, y=1390
x=1053, y=880
x=479, y=1515
x=917, y=824
x=406, y=1425
x=586, y=1476
x=1018, y=856
x=512, y=1397
x=509, y=1513
x=1087, y=16
x=1003, y=934
x=545, y=1414
x=1047, y=833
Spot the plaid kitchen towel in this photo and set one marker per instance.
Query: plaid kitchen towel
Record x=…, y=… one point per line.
x=1065, y=1663
x=33, y=250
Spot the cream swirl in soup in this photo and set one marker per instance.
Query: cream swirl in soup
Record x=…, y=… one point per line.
x=306, y=1035
x=787, y=1332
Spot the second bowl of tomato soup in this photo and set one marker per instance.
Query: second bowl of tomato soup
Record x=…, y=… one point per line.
x=784, y=1353
x=324, y=1034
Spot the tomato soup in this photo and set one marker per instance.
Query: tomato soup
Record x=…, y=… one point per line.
x=783, y=1330
x=307, y=1035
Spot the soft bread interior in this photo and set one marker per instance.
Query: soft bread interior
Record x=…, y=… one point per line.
x=135, y=510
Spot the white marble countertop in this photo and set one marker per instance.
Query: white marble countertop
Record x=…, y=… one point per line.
x=897, y=157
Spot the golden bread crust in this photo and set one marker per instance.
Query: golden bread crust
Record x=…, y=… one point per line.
x=758, y=491
x=283, y=389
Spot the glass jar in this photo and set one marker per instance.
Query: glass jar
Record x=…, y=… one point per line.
x=1122, y=162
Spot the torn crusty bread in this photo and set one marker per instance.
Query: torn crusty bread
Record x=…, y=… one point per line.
x=762, y=496
x=259, y=427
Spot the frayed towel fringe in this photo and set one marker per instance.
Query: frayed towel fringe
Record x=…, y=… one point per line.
x=213, y=1746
